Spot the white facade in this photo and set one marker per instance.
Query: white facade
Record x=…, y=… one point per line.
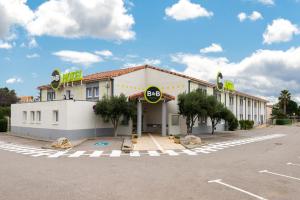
x=76, y=118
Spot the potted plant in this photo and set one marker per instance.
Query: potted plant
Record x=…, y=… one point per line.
x=171, y=136
x=134, y=138
x=177, y=139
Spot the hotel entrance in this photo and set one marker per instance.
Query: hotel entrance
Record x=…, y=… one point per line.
x=151, y=117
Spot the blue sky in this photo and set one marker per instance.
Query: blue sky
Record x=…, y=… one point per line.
x=255, y=43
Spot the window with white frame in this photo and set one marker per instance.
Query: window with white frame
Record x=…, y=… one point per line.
x=96, y=91
x=32, y=116
x=24, y=116
x=38, y=116
x=231, y=100
x=55, y=116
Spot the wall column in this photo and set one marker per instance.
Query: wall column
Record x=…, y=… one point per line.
x=164, y=119
x=139, y=118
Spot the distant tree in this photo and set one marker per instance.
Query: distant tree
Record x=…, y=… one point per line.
x=7, y=97
x=192, y=106
x=113, y=108
x=292, y=108
x=277, y=112
x=284, y=98
x=216, y=111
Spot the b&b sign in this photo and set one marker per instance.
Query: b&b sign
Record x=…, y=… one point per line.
x=152, y=94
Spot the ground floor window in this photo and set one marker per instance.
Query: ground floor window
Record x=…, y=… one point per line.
x=38, y=116
x=24, y=116
x=55, y=116
x=32, y=116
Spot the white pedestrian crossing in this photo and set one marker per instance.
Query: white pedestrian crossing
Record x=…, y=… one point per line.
x=204, y=149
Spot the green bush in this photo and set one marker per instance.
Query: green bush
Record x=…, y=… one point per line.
x=283, y=121
x=4, y=111
x=3, y=125
x=246, y=124
x=233, y=124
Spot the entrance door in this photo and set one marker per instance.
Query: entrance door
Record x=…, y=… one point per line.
x=174, y=124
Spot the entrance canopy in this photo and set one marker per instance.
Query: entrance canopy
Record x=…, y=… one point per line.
x=140, y=95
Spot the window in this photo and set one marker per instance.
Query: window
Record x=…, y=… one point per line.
x=89, y=92
x=241, y=102
x=50, y=95
x=241, y=116
x=96, y=91
x=175, y=120
x=32, y=116
x=68, y=94
x=24, y=116
x=249, y=117
x=38, y=116
x=231, y=100
x=55, y=116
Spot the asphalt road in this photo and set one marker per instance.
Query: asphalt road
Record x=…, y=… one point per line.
x=165, y=177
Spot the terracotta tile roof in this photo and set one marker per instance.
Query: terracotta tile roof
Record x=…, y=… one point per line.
x=119, y=72
x=166, y=96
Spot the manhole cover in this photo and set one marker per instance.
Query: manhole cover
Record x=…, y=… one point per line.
x=277, y=143
x=102, y=143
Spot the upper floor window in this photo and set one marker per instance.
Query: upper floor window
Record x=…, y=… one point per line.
x=50, y=95
x=92, y=92
x=241, y=102
x=230, y=100
x=96, y=91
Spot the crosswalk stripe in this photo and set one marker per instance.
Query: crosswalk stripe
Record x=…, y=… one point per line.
x=58, y=154
x=189, y=152
x=40, y=154
x=200, y=150
x=76, y=154
x=115, y=153
x=153, y=153
x=171, y=153
x=96, y=154
x=135, y=154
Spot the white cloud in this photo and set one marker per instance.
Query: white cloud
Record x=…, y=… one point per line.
x=254, y=16
x=144, y=62
x=81, y=18
x=32, y=43
x=105, y=53
x=5, y=45
x=281, y=30
x=34, y=55
x=264, y=73
x=13, y=12
x=213, y=48
x=14, y=80
x=185, y=10
x=267, y=2
x=242, y=16
x=77, y=57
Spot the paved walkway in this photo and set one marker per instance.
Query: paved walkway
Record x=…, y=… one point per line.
x=156, y=142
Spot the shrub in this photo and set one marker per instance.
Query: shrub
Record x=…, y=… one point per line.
x=283, y=121
x=246, y=124
x=233, y=124
x=4, y=111
x=3, y=125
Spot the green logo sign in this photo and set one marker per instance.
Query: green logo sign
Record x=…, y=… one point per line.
x=58, y=78
x=152, y=94
x=227, y=85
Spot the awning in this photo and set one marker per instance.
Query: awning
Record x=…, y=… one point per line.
x=165, y=96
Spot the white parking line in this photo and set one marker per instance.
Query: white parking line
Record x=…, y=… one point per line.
x=282, y=175
x=58, y=154
x=294, y=164
x=96, y=154
x=115, y=153
x=135, y=154
x=189, y=152
x=219, y=181
x=171, y=153
x=156, y=143
x=153, y=153
x=76, y=154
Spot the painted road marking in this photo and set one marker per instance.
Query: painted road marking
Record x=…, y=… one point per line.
x=200, y=150
x=219, y=181
x=115, y=153
x=153, y=153
x=171, y=153
x=294, y=164
x=282, y=175
x=189, y=152
x=135, y=154
x=156, y=143
x=96, y=154
x=58, y=154
x=76, y=154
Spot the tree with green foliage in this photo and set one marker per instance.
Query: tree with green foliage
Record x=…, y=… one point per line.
x=216, y=111
x=284, y=98
x=192, y=106
x=292, y=108
x=113, y=108
x=7, y=97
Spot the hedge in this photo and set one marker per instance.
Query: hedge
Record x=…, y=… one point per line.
x=3, y=125
x=246, y=124
x=283, y=121
x=4, y=111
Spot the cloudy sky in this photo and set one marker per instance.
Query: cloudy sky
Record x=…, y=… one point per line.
x=255, y=43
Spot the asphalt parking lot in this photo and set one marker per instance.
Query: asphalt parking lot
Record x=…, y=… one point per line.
x=266, y=169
